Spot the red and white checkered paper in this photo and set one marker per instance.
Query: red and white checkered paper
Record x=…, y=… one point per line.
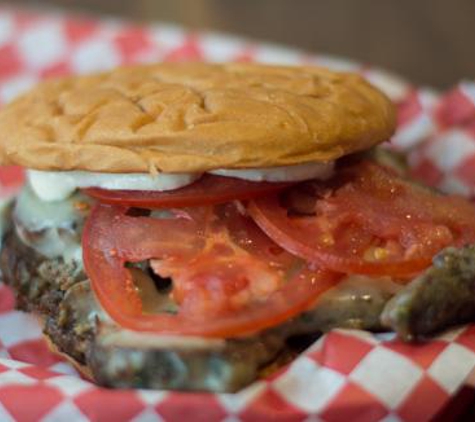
x=346, y=375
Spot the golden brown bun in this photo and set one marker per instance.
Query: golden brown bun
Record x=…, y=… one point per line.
x=192, y=118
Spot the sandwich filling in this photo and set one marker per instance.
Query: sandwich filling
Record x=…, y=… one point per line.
x=217, y=285
x=238, y=267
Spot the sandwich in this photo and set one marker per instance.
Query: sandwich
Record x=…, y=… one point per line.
x=196, y=226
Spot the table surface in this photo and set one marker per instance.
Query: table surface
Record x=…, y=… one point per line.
x=426, y=41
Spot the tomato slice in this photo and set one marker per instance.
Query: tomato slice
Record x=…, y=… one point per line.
x=229, y=278
x=207, y=190
x=366, y=221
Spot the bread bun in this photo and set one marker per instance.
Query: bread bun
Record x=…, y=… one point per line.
x=183, y=117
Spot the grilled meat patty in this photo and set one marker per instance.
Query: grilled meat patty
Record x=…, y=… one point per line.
x=60, y=293
x=40, y=259
x=442, y=296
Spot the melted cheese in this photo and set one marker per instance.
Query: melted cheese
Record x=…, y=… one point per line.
x=50, y=228
x=122, y=337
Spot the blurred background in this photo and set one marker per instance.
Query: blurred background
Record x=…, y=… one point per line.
x=429, y=42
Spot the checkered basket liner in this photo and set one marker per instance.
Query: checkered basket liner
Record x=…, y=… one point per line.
x=347, y=374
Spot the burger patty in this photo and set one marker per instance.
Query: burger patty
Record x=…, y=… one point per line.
x=55, y=287
x=40, y=286
x=443, y=296
x=60, y=294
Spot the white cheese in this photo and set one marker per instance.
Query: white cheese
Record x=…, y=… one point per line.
x=50, y=228
x=122, y=337
x=56, y=186
x=296, y=173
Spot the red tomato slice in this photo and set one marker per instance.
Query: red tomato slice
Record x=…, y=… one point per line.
x=366, y=221
x=229, y=278
x=208, y=190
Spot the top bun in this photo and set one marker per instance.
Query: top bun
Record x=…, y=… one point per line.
x=184, y=117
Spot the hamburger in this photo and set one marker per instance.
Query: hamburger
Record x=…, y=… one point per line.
x=195, y=226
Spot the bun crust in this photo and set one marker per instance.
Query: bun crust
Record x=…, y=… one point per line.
x=187, y=117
